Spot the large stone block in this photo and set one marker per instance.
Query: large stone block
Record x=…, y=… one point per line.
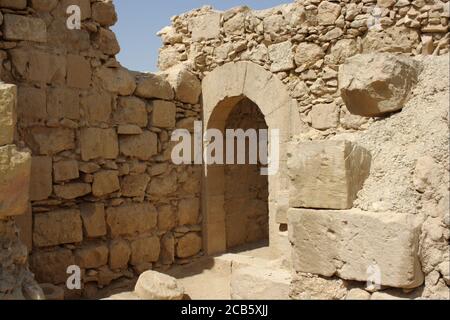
x=15, y=171
x=142, y=147
x=328, y=12
x=79, y=73
x=374, y=84
x=92, y=256
x=119, y=254
x=131, y=219
x=105, y=182
x=154, y=86
x=164, y=114
x=98, y=143
x=189, y=245
x=131, y=110
x=50, y=141
x=153, y=285
x=32, y=103
x=8, y=117
x=117, y=80
x=186, y=84
x=63, y=103
x=282, y=56
x=51, y=267
x=134, y=186
x=65, y=170
x=41, y=186
x=17, y=27
x=71, y=191
x=13, y=4
x=97, y=106
x=354, y=244
x=326, y=174
x=205, y=27
x=145, y=250
x=188, y=211
x=57, y=227
x=104, y=13
x=94, y=222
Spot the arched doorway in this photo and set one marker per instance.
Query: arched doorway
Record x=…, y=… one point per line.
x=227, y=91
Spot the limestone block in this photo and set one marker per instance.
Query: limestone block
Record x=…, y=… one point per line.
x=98, y=143
x=306, y=286
x=8, y=117
x=57, y=227
x=41, y=186
x=394, y=39
x=350, y=244
x=72, y=191
x=142, y=147
x=186, y=85
x=43, y=5
x=65, y=170
x=384, y=86
x=163, y=114
x=105, y=40
x=167, y=218
x=326, y=174
x=145, y=250
x=282, y=56
x=104, y=13
x=119, y=254
x=92, y=256
x=131, y=219
x=307, y=54
x=32, y=103
x=189, y=245
x=51, y=266
x=324, y=116
x=134, y=186
x=97, y=106
x=17, y=27
x=93, y=217
x=154, y=86
x=260, y=283
x=153, y=285
x=79, y=73
x=341, y=50
x=13, y=4
x=50, y=141
x=117, y=80
x=357, y=294
x=167, y=255
x=328, y=12
x=105, y=182
x=128, y=129
x=205, y=27
x=25, y=224
x=163, y=186
x=188, y=211
x=15, y=170
x=131, y=110
x=63, y=103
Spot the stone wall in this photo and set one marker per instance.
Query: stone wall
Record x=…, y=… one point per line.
x=105, y=195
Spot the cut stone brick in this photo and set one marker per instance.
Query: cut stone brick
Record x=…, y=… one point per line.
x=189, y=245
x=41, y=186
x=145, y=250
x=93, y=256
x=72, y=191
x=205, y=27
x=349, y=244
x=131, y=219
x=24, y=28
x=63, y=103
x=326, y=174
x=154, y=86
x=97, y=106
x=282, y=56
x=15, y=171
x=65, y=170
x=51, y=267
x=142, y=146
x=94, y=222
x=32, y=103
x=79, y=73
x=117, y=80
x=98, y=143
x=119, y=254
x=50, y=141
x=13, y=4
x=57, y=227
x=188, y=211
x=164, y=114
x=105, y=182
x=131, y=110
x=186, y=85
x=8, y=117
x=134, y=186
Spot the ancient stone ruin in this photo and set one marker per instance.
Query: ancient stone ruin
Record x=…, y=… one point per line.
x=358, y=92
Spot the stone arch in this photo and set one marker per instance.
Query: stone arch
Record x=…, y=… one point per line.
x=222, y=89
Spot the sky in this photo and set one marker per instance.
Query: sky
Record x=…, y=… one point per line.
x=140, y=20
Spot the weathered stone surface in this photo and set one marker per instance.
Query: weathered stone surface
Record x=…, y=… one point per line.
x=92, y=256
x=8, y=117
x=42, y=5
x=117, y=80
x=131, y=110
x=52, y=266
x=154, y=86
x=307, y=54
x=167, y=218
x=188, y=211
x=93, y=216
x=394, y=39
x=32, y=103
x=357, y=294
x=205, y=27
x=97, y=106
x=50, y=141
x=104, y=13
x=143, y=146
x=131, y=219
x=153, y=285
x=17, y=27
x=326, y=174
x=41, y=178
x=324, y=116
x=15, y=170
x=134, y=186
x=260, y=283
x=63, y=103
x=426, y=174
x=328, y=12
x=189, y=245
x=128, y=129
x=186, y=85
x=57, y=227
x=167, y=255
x=13, y=4
x=105, y=182
x=383, y=87
x=163, y=186
x=163, y=114
x=106, y=41
x=79, y=73
x=145, y=250
x=312, y=287
x=282, y=56
x=341, y=50
x=119, y=254
x=72, y=191
x=65, y=170
x=349, y=243
x=98, y=143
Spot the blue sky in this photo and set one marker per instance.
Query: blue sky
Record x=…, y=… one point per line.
x=140, y=20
